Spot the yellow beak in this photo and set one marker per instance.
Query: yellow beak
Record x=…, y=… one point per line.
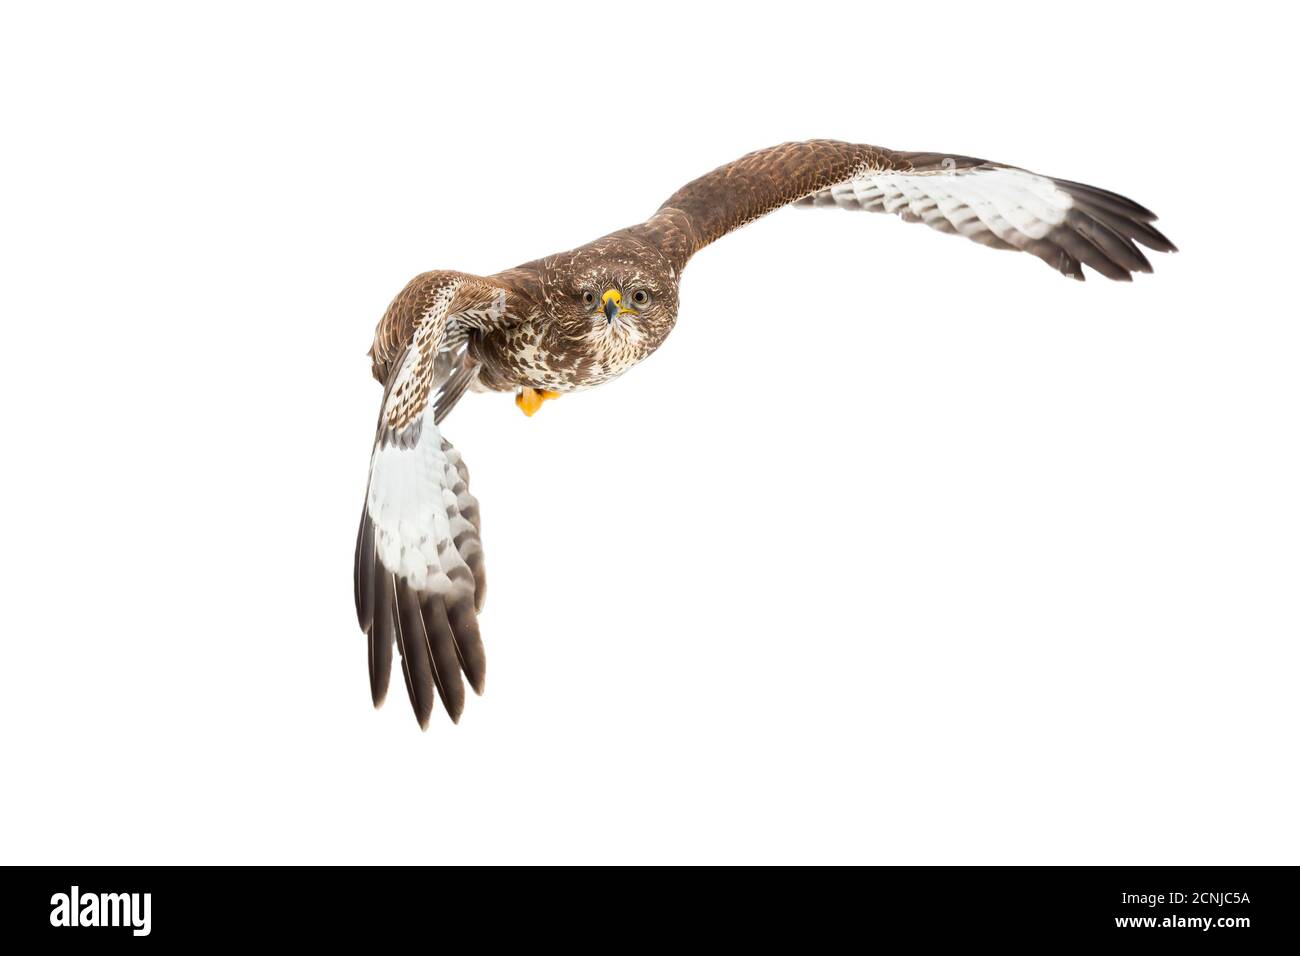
x=612, y=303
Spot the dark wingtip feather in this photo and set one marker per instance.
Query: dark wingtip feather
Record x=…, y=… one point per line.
x=475, y=561
x=380, y=648
x=477, y=680
x=363, y=572
x=416, y=666
x=1084, y=249
x=1067, y=266
x=1112, y=243
x=1112, y=200
x=469, y=644
x=1134, y=226
x=1157, y=234
x=378, y=684
x=380, y=635
x=443, y=656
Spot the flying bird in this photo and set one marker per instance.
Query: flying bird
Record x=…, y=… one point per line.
x=579, y=318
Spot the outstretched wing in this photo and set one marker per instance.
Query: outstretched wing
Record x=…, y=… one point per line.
x=1066, y=224
x=418, y=576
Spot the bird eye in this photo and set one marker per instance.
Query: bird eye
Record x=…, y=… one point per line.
x=588, y=298
x=640, y=298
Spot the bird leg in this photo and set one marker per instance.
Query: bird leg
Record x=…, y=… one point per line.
x=530, y=400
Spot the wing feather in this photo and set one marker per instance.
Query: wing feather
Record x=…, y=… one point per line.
x=363, y=573
x=381, y=633
x=1064, y=223
x=441, y=645
x=418, y=575
x=413, y=646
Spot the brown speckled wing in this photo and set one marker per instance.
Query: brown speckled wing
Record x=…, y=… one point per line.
x=1064, y=223
x=457, y=300
x=708, y=208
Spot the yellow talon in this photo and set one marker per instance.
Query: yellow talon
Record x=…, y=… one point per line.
x=530, y=400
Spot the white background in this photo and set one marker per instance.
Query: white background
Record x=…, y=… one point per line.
x=900, y=550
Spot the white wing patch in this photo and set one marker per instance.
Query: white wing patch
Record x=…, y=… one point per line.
x=1012, y=204
x=1068, y=225
x=420, y=505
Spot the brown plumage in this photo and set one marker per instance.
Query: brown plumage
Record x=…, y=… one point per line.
x=582, y=317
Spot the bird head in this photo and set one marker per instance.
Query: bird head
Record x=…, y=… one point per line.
x=622, y=294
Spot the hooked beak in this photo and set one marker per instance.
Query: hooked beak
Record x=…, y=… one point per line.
x=612, y=303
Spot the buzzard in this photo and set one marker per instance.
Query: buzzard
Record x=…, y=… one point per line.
x=578, y=318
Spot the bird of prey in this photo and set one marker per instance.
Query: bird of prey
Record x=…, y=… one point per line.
x=579, y=318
